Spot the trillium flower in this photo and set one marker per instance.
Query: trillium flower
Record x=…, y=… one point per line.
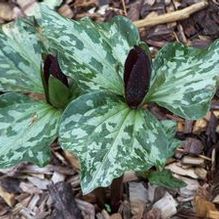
x=137, y=73
x=51, y=67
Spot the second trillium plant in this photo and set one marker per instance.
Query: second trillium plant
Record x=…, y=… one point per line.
x=109, y=127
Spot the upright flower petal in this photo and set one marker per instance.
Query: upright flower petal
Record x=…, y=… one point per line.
x=136, y=76
x=51, y=67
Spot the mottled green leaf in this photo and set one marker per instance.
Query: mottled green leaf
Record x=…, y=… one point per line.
x=20, y=58
x=184, y=79
x=170, y=129
x=109, y=138
x=92, y=53
x=166, y=179
x=27, y=128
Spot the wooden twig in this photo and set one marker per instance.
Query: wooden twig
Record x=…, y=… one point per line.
x=124, y=7
x=179, y=27
x=172, y=16
x=201, y=156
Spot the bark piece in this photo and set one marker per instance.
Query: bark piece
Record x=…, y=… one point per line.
x=199, y=126
x=87, y=208
x=66, y=11
x=187, y=193
x=216, y=199
x=134, y=11
x=213, y=214
x=193, y=146
x=195, y=161
x=138, y=198
x=129, y=176
x=73, y=160
x=201, y=172
x=64, y=203
x=167, y=205
x=9, y=198
x=154, y=213
x=203, y=207
x=40, y=183
x=183, y=172
x=11, y=184
x=6, y=11
x=116, y=216
x=57, y=177
x=211, y=130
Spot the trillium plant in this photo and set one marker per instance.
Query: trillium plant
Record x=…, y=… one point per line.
x=35, y=94
x=109, y=126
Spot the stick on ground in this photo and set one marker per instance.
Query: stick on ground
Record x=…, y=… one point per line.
x=172, y=16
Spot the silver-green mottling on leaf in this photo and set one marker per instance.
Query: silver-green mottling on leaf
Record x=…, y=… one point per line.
x=92, y=53
x=184, y=79
x=20, y=58
x=27, y=128
x=110, y=138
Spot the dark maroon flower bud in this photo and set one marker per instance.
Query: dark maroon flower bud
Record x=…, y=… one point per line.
x=51, y=67
x=136, y=76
